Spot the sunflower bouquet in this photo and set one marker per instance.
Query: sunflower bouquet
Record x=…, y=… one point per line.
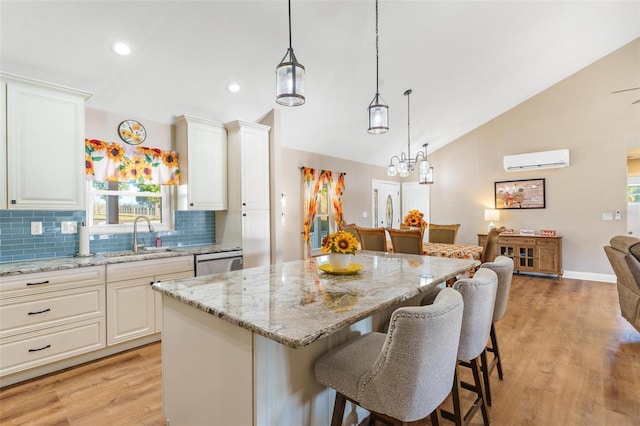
x=415, y=218
x=340, y=242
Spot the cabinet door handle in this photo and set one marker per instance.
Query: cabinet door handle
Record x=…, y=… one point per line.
x=244, y=204
x=39, y=312
x=244, y=214
x=13, y=202
x=40, y=349
x=38, y=283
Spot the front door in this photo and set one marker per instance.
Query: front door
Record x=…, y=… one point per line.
x=386, y=204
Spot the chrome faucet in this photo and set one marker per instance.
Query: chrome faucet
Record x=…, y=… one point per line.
x=135, y=233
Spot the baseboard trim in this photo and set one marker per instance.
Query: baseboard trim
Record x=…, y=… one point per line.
x=590, y=276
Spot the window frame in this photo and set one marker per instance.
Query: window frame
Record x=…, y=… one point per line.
x=167, y=193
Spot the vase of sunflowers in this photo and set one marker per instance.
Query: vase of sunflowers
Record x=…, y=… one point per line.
x=341, y=246
x=414, y=219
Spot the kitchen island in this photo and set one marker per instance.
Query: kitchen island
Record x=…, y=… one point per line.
x=239, y=348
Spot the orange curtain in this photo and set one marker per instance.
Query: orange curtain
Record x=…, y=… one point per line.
x=336, y=199
x=313, y=180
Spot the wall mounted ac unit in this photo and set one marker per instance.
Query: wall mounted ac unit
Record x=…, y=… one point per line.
x=537, y=160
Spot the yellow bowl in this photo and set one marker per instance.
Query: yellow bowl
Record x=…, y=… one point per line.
x=352, y=269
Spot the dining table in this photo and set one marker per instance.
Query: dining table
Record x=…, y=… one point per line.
x=458, y=251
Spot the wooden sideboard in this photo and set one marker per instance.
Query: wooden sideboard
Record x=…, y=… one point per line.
x=530, y=253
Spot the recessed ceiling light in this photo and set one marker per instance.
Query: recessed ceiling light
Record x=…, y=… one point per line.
x=121, y=48
x=233, y=87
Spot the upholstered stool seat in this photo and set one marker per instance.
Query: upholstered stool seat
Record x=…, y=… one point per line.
x=402, y=375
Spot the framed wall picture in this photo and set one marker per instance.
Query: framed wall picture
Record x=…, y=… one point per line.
x=520, y=194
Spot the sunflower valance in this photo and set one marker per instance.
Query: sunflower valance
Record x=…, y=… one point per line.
x=112, y=162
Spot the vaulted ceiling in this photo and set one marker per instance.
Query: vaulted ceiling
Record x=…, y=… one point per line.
x=466, y=61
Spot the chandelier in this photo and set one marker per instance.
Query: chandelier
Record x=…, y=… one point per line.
x=290, y=77
x=405, y=163
x=378, y=110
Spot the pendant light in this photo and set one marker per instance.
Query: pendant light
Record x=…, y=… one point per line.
x=290, y=77
x=378, y=110
x=407, y=164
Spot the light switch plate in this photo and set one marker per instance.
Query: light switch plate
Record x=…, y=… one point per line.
x=607, y=216
x=36, y=228
x=68, y=227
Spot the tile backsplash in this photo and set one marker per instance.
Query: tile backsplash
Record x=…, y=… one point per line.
x=17, y=243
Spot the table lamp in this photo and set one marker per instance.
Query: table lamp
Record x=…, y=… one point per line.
x=491, y=215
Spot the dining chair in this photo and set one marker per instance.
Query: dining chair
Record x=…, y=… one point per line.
x=404, y=374
x=443, y=233
x=490, y=247
x=374, y=239
x=351, y=228
x=407, y=241
x=503, y=267
x=479, y=295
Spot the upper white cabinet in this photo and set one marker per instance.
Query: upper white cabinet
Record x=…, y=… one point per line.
x=202, y=150
x=246, y=222
x=44, y=128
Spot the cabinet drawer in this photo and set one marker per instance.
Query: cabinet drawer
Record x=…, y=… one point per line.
x=30, y=350
x=545, y=242
x=39, y=282
x=29, y=313
x=148, y=268
x=516, y=240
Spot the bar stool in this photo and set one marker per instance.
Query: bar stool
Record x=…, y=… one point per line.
x=402, y=375
x=503, y=267
x=479, y=296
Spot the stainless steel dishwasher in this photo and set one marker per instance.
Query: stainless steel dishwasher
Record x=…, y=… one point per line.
x=217, y=262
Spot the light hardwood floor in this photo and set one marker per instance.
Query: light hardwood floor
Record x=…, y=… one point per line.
x=569, y=359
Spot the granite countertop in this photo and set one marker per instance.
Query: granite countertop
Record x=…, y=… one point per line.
x=296, y=304
x=59, y=263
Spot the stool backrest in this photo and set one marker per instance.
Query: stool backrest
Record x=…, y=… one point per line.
x=503, y=267
x=479, y=295
x=414, y=371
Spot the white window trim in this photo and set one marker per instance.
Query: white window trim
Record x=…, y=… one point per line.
x=167, y=194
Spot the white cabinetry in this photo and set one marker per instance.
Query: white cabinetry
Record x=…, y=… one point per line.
x=44, y=125
x=50, y=316
x=133, y=309
x=202, y=150
x=3, y=144
x=246, y=222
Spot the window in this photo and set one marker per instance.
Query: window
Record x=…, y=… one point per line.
x=112, y=206
x=633, y=192
x=320, y=227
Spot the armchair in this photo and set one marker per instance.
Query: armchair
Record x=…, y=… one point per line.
x=624, y=256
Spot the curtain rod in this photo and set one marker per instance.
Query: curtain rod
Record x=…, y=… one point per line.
x=305, y=167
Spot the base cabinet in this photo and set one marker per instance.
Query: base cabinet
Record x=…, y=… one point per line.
x=531, y=253
x=134, y=310
x=50, y=316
